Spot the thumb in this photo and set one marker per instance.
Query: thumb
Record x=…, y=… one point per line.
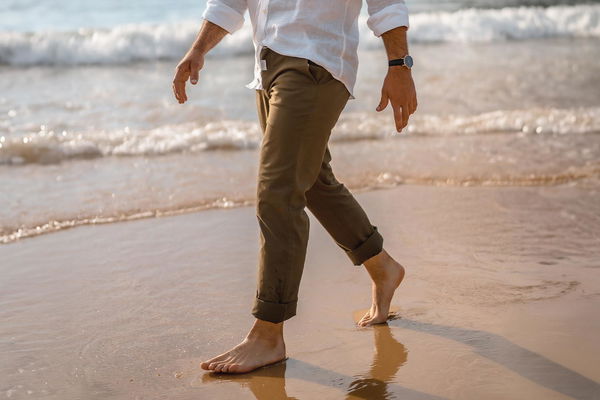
x=194, y=70
x=383, y=102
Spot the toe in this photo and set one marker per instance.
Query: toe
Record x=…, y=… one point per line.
x=234, y=368
x=376, y=320
x=219, y=367
x=218, y=358
x=364, y=318
x=223, y=365
x=227, y=367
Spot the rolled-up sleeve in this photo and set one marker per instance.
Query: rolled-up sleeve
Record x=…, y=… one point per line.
x=385, y=15
x=228, y=14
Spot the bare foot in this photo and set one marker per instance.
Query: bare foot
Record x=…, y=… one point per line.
x=387, y=274
x=262, y=346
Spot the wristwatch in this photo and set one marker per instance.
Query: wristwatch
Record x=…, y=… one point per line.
x=406, y=62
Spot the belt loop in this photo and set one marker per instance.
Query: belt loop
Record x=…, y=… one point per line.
x=263, y=60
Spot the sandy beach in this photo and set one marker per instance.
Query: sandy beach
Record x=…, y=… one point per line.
x=500, y=301
x=129, y=241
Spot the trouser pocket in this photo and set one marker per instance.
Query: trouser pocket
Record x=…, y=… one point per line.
x=318, y=73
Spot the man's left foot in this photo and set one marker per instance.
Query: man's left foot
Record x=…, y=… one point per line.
x=387, y=274
x=262, y=346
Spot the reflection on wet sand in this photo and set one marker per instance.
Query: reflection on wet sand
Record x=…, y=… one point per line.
x=389, y=356
x=379, y=381
x=269, y=382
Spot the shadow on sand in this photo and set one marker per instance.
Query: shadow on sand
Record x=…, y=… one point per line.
x=377, y=384
x=528, y=364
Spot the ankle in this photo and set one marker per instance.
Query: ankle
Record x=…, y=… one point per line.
x=266, y=330
x=378, y=263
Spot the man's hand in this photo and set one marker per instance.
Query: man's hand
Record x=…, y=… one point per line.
x=399, y=89
x=398, y=86
x=188, y=68
x=190, y=65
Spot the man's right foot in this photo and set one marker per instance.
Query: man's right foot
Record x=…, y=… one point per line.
x=387, y=274
x=262, y=346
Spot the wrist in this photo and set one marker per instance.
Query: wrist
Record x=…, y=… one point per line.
x=195, y=54
x=405, y=62
x=399, y=71
x=199, y=49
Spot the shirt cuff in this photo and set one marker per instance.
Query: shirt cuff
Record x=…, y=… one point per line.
x=221, y=14
x=387, y=18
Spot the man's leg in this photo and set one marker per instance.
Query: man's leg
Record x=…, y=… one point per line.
x=297, y=109
x=303, y=106
x=342, y=216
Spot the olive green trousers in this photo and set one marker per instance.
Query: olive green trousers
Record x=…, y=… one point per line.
x=297, y=109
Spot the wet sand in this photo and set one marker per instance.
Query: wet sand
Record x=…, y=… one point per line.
x=500, y=301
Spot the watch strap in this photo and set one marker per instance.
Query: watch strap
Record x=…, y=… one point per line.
x=397, y=61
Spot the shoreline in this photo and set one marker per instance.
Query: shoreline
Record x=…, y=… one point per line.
x=384, y=181
x=500, y=287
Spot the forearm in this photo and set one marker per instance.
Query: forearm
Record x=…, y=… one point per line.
x=395, y=42
x=209, y=35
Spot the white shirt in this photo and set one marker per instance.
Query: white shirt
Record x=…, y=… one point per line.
x=324, y=31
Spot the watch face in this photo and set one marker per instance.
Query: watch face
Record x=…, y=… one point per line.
x=408, y=61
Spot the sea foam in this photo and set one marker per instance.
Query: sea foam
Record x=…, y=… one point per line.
x=48, y=146
x=147, y=42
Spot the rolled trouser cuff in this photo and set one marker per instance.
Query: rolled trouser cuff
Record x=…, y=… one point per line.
x=273, y=312
x=367, y=249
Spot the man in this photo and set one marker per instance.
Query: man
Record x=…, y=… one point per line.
x=305, y=70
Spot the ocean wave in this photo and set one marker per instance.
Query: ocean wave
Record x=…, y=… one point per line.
x=48, y=146
x=168, y=41
x=515, y=23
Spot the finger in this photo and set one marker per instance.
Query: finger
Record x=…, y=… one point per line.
x=181, y=76
x=180, y=90
x=410, y=106
x=405, y=115
x=414, y=104
x=174, y=91
x=383, y=102
x=398, y=117
x=195, y=69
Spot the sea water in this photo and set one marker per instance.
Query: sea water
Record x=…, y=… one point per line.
x=509, y=95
